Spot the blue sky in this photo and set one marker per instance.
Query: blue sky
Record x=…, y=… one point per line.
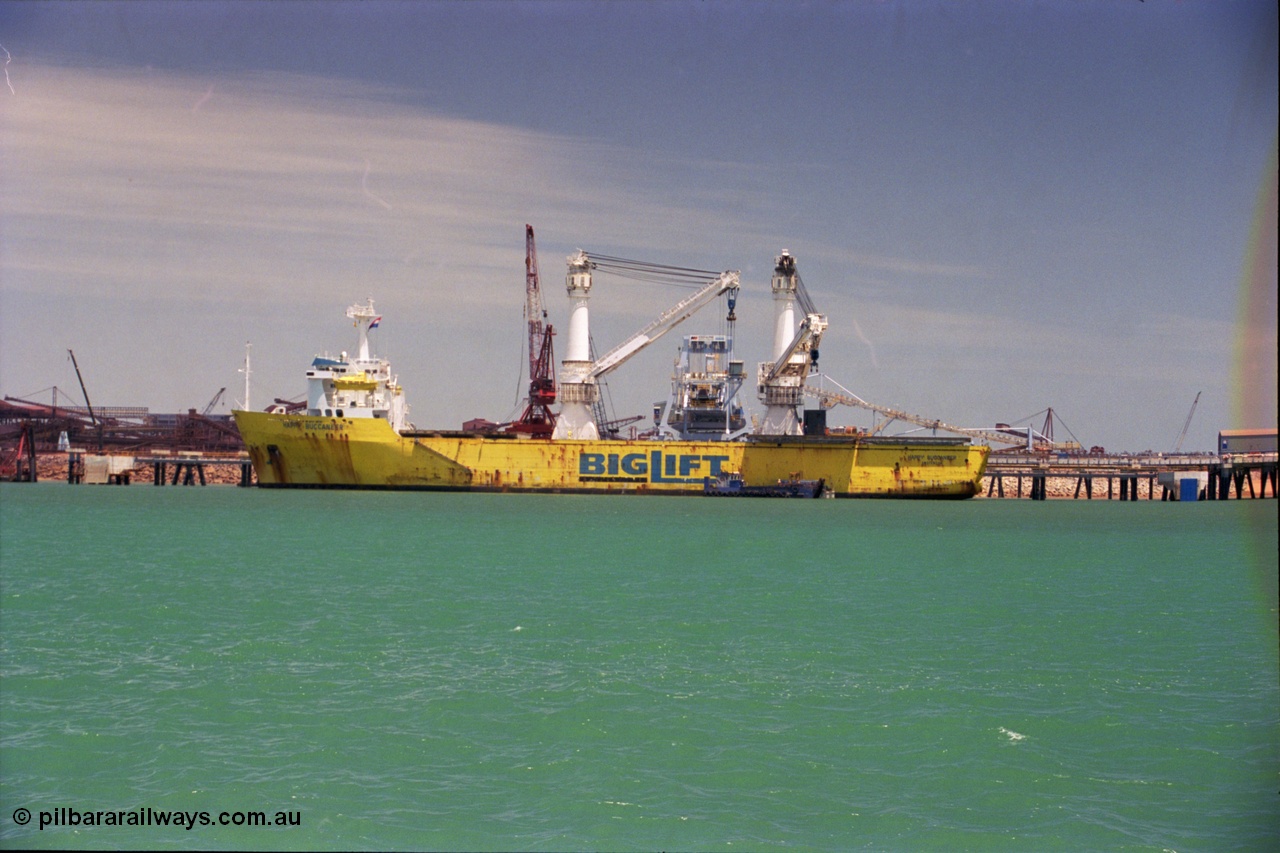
x=1001, y=207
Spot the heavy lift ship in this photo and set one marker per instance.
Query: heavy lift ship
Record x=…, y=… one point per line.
x=354, y=432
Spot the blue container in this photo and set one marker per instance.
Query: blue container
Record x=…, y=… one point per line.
x=1188, y=489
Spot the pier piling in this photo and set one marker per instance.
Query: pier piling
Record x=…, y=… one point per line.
x=1238, y=476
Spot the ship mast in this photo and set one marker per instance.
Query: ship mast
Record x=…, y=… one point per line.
x=365, y=319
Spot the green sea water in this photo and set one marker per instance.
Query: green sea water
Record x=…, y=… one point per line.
x=518, y=672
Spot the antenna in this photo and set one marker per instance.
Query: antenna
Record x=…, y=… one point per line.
x=247, y=373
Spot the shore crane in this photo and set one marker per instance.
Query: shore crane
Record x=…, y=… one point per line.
x=538, y=420
x=1177, y=448
x=214, y=402
x=97, y=425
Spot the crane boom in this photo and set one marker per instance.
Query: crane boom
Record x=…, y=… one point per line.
x=534, y=312
x=214, y=401
x=92, y=418
x=1177, y=448
x=668, y=320
x=537, y=419
x=807, y=338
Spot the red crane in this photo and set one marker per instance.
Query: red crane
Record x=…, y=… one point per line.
x=538, y=420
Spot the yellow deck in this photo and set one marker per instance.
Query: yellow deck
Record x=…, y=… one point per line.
x=304, y=451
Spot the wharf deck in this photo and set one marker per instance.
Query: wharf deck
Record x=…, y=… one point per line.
x=1220, y=474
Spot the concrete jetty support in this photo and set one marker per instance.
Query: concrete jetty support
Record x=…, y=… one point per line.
x=189, y=469
x=183, y=468
x=1239, y=474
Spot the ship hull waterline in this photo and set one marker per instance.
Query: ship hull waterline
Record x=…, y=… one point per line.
x=302, y=451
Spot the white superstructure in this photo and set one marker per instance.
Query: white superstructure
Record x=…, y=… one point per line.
x=359, y=387
x=704, y=392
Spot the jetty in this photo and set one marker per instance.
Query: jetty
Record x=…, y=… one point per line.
x=187, y=468
x=1132, y=476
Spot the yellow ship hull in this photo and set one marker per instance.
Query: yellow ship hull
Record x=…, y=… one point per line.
x=300, y=451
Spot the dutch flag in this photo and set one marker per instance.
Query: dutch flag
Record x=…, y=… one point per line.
x=374, y=324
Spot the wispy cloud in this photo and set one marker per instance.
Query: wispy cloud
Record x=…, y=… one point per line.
x=121, y=186
x=7, y=59
x=913, y=266
x=291, y=194
x=128, y=193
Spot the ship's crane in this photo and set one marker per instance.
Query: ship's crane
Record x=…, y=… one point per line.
x=581, y=371
x=668, y=320
x=805, y=344
x=780, y=383
x=538, y=419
